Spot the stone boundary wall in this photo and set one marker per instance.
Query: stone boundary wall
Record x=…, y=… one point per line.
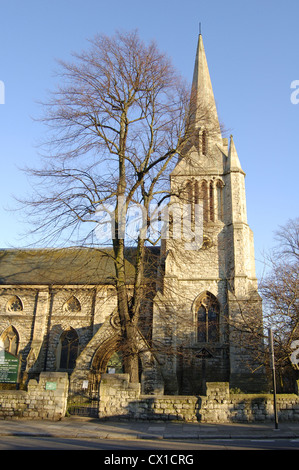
x=44, y=399
x=121, y=400
x=47, y=399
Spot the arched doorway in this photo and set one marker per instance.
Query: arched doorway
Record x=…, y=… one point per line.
x=107, y=358
x=84, y=398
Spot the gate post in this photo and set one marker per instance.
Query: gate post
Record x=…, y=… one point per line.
x=116, y=395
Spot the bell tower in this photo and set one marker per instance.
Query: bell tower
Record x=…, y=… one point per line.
x=208, y=311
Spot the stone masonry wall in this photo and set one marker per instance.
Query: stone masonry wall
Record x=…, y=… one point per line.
x=121, y=400
x=45, y=399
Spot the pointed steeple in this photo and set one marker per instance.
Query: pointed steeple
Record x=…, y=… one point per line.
x=203, y=106
x=233, y=161
x=235, y=181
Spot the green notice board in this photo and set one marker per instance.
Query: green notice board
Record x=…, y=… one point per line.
x=51, y=385
x=9, y=368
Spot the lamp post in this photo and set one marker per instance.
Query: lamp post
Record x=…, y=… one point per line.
x=272, y=362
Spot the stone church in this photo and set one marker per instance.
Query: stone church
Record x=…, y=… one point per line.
x=58, y=307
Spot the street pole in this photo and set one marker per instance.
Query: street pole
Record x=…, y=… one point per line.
x=272, y=362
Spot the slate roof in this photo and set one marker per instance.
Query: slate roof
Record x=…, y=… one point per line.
x=67, y=266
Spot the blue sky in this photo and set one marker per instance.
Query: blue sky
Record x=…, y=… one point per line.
x=252, y=52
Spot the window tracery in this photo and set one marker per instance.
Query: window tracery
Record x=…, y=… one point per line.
x=14, y=304
x=68, y=349
x=207, y=318
x=72, y=305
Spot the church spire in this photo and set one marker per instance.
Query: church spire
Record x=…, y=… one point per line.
x=203, y=106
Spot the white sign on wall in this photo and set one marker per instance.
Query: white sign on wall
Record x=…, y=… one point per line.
x=295, y=353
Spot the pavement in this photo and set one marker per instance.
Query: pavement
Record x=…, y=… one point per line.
x=84, y=428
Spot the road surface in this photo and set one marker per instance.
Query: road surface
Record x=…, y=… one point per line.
x=172, y=446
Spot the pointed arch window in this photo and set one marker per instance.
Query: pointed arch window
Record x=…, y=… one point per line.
x=204, y=143
x=212, y=210
x=219, y=190
x=209, y=193
x=204, y=197
x=196, y=192
x=72, y=305
x=207, y=319
x=191, y=199
x=10, y=340
x=68, y=348
x=14, y=304
x=189, y=193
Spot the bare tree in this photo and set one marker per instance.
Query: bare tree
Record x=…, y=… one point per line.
x=280, y=292
x=288, y=238
x=117, y=122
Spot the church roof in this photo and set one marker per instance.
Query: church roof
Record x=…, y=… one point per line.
x=68, y=266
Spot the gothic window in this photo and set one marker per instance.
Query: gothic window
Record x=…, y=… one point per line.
x=72, y=305
x=204, y=143
x=219, y=200
x=14, y=304
x=209, y=193
x=195, y=201
x=212, y=212
x=190, y=199
x=196, y=193
x=68, y=347
x=10, y=340
x=204, y=198
x=208, y=319
x=189, y=193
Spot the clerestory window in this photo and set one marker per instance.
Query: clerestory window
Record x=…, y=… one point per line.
x=72, y=305
x=14, y=304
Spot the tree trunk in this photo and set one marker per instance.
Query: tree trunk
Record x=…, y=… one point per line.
x=129, y=347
